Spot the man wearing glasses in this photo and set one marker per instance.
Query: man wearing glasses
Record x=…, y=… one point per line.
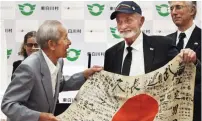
x=188, y=35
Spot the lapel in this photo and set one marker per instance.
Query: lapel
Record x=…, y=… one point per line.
x=119, y=58
x=174, y=37
x=56, y=92
x=148, y=51
x=46, y=80
x=194, y=39
x=59, y=76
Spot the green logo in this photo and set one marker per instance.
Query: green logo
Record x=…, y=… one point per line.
x=9, y=53
x=163, y=10
x=73, y=54
x=95, y=9
x=115, y=32
x=27, y=9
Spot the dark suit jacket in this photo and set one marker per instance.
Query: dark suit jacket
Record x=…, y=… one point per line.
x=16, y=64
x=158, y=50
x=194, y=43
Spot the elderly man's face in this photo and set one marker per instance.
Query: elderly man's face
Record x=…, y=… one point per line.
x=63, y=44
x=129, y=24
x=181, y=13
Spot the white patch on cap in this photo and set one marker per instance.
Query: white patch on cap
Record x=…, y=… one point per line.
x=133, y=8
x=125, y=5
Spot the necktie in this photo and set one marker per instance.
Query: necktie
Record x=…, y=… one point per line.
x=127, y=62
x=181, y=41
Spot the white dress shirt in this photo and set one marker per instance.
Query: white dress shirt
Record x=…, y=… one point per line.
x=137, y=63
x=188, y=33
x=53, y=71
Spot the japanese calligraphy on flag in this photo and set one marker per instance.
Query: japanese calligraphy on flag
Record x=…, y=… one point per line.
x=165, y=94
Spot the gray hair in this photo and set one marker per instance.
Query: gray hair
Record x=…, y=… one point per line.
x=191, y=4
x=48, y=31
x=194, y=5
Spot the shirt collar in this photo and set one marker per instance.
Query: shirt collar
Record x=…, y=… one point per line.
x=188, y=32
x=50, y=64
x=137, y=44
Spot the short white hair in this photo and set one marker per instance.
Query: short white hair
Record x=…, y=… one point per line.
x=49, y=30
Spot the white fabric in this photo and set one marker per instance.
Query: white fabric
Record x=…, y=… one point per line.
x=188, y=33
x=137, y=64
x=53, y=71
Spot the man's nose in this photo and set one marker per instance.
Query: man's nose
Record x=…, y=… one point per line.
x=33, y=46
x=123, y=26
x=69, y=42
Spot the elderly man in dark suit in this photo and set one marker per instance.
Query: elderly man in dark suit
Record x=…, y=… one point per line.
x=139, y=53
x=188, y=35
x=36, y=83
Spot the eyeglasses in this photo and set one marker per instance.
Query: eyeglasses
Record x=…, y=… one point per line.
x=177, y=7
x=32, y=44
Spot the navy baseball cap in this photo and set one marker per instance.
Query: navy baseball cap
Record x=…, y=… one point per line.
x=126, y=7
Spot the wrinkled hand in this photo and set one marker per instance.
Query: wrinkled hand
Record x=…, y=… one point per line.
x=188, y=55
x=47, y=117
x=90, y=71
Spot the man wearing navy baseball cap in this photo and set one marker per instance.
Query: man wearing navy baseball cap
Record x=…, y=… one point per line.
x=139, y=53
x=126, y=7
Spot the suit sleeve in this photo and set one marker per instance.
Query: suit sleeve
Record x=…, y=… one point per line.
x=73, y=82
x=17, y=95
x=172, y=51
x=107, y=61
x=198, y=73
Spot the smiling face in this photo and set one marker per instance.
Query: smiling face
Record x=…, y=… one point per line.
x=182, y=13
x=62, y=44
x=129, y=24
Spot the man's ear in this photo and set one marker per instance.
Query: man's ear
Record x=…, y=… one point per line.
x=193, y=10
x=51, y=44
x=142, y=19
